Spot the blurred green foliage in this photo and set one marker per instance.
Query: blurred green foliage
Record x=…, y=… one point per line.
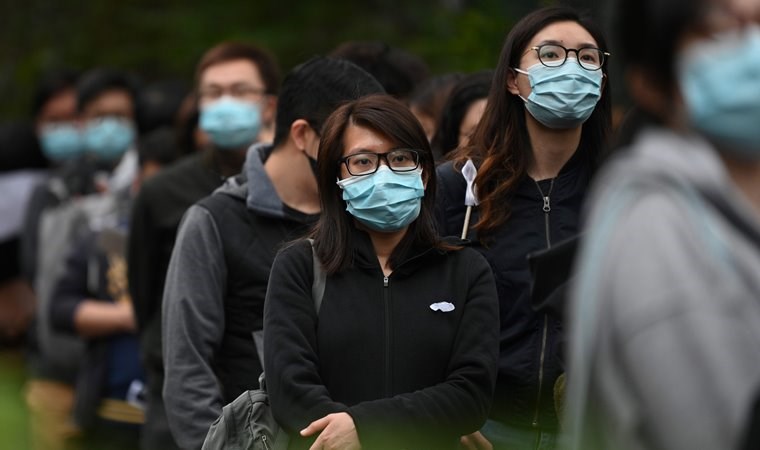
x=13, y=417
x=164, y=38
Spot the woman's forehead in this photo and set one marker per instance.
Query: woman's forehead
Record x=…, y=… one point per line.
x=567, y=33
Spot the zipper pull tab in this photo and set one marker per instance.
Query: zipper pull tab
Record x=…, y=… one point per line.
x=547, y=205
x=385, y=281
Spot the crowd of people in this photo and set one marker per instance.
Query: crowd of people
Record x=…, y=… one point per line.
x=478, y=261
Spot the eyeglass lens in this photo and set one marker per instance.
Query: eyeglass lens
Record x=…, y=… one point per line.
x=555, y=55
x=397, y=160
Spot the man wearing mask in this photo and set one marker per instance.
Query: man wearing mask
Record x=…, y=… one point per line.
x=107, y=105
x=217, y=278
x=236, y=88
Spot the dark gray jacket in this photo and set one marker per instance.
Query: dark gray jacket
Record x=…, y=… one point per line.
x=214, y=296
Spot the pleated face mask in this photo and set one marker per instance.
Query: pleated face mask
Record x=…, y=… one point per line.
x=385, y=200
x=231, y=123
x=720, y=83
x=109, y=137
x=564, y=96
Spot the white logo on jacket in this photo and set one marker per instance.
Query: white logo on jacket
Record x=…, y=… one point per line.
x=442, y=306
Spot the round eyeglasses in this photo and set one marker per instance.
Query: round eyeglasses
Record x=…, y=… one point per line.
x=555, y=55
x=367, y=163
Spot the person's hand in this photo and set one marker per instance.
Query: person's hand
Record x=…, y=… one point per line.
x=475, y=441
x=336, y=432
x=126, y=313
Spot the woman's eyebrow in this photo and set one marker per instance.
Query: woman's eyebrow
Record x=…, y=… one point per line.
x=354, y=151
x=556, y=42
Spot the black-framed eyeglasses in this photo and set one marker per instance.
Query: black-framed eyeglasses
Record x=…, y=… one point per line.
x=367, y=163
x=238, y=91
x=555, y=55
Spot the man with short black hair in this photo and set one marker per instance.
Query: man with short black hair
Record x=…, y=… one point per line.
x=217, y=278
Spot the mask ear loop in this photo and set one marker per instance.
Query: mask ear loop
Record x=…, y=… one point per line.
x=523, y=72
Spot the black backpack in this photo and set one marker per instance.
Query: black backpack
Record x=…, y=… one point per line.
x=248, y=422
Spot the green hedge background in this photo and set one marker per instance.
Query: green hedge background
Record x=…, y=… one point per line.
x=164, y=39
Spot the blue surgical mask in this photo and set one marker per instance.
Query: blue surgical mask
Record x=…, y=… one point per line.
x=108, y=138
x=61, y=141
x=385, y=200
x=231, y=124
x=720, y=84
x=562, y=97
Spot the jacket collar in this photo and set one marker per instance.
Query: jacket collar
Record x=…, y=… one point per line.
x=366, y=258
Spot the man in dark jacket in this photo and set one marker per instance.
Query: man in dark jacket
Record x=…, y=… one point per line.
x=235, y=80
x=219, y=270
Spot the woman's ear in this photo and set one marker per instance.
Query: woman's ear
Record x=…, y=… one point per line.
x=512, y=82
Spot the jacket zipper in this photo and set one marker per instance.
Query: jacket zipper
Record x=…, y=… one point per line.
x=386, y=302
x=547, y=208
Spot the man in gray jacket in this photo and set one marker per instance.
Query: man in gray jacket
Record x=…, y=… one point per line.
x=219, y=269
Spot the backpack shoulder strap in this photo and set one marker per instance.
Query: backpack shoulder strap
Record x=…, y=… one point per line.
x=318, y=285
x=317, y=292
x=732, y=216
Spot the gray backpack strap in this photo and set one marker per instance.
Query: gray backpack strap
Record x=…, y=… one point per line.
x=318, y=285
x=317, y=292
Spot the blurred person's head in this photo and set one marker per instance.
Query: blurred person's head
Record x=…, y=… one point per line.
x=696, y=65
x=310, y=92
x=397, y=70
x=236, y=88
x=155, y=150
x=462, y=112
x=158, y=104
x=427, y=100
x=374, y=145
x=190, y=137
x=54, y=109
x=106, y=101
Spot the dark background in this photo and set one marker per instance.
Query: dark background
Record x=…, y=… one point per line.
x=163, y=39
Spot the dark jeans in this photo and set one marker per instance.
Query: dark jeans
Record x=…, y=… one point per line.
x=508, y=437
x=106, y=434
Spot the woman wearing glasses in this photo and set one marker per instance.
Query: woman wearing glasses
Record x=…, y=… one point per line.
x=402, y=352
x=536, y=146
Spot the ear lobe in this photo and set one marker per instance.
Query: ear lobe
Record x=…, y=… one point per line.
x=298, y=133
x=512, y=82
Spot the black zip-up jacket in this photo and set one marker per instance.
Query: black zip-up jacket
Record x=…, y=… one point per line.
x=529, y=361
x=409, y=375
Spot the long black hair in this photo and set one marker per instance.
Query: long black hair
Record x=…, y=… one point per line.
x=500, y=144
